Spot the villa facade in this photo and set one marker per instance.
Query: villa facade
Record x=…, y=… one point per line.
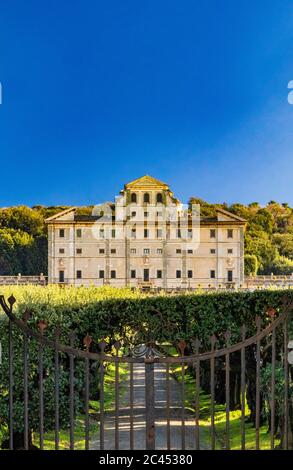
x=146, y=239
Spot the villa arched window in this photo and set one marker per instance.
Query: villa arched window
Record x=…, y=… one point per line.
x=159, y=197
x=146, y=197
x=133, y=197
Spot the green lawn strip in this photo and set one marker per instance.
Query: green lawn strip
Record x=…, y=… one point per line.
x=94, y=409
x=220, y=418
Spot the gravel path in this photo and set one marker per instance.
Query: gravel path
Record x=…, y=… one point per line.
x=160, y=415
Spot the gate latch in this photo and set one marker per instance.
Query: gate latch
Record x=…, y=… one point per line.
x=290, y=353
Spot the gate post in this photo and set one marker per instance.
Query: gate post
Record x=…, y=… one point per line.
x=150, y=403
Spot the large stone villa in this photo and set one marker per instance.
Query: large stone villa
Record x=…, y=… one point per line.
x=146, y=239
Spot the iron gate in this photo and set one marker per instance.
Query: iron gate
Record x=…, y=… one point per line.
x=148, y=361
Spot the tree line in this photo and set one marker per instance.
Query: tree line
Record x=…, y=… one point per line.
x=268, y=236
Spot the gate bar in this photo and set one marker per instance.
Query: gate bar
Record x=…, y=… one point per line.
x=71, y=392
x=25, y=386
x=243, y=333
x=168, y=405
x=10, y=353
x=286, y=398
x=56, y=374
x=273, y=388
x=150, y=404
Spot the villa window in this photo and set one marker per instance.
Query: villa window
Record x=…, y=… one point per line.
x=113, y=274
x=133, y=274
x=113, y=233
x=101, y=251
x=61, y=233
x=78, y=233
x=61, y=250
x=230, y=276
x=159, y=274
x=230, y=233
x=212, y=233
x=189, y=274
x=78, y=274
x=213, y=274
x=101, y=274
x=113, y=251
x=146, y=233
x=178, y=251
x=159, y=233
x=178, y=274
x=190, y=252
x=78, y=251
x=159, y=198
x=159, y=251
x=133, y=197
x=61, y=276
x=133, y=251
x=146, y=251
x=212, y=251
x=146, y=197
x=230, y=251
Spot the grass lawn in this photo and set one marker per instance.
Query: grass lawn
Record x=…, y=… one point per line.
x=220, y=419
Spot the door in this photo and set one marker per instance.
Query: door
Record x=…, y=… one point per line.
x=146, y=275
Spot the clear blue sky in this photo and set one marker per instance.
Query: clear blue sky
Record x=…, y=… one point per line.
x=193, y=92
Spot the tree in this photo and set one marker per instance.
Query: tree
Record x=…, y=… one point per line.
x=250, y=265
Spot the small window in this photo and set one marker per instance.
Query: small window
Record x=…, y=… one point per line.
x=113, y=233
x=230, y=251
x=102, y=233
x=230, y=233
x=178, y=274
x=190, y=252
x=61, y=233
x=189, y=233
x=159, y=214
x=146, y=233
x=146, y=251
x=212, y=251
x=133, y=233
x=145, y=214
x=133, y=251
x=78, y=251
x=113, y=251
x=159, y=198
x=159, y=274
x=78, y=274
x=133, y=274
x=212, y=233
x=159, y=251
x=159, y=233
x=101, y=251
x=178, y=233
x=78, y=233
x=178, y=251
x=213, y=274
x=133, y=214
x=146, y=197
x=189, y=274
x=61, y=276
x=113, y=274
x=133, y=197
x=61, y=250
x=230, y=276
x=101, y=274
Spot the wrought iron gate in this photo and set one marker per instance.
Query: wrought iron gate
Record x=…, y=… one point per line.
x=272, y=341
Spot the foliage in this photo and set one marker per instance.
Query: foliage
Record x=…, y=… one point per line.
x=250, y=265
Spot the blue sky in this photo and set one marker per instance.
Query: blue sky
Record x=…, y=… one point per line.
x=96, y=94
